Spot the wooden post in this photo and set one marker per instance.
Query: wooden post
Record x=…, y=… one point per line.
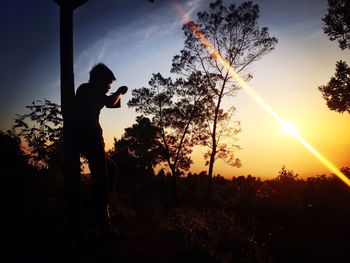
x=71, y=154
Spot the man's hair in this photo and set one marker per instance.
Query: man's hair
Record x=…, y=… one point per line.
x=99, y=71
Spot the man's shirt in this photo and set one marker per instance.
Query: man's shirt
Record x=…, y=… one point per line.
x=89, y=102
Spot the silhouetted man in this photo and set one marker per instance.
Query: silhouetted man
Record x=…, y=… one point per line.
x=90, y=99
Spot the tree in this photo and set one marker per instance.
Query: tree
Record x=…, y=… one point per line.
x=173, y=107
x=337, y=22
x=141, y=143
x=286, y=176
x=235, y=35
x=12, y=158
x=337, y=27
x=42, y=131
x=337, y=91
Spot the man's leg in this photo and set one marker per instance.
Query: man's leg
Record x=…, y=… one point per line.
x=113, y=173
x=98, y=168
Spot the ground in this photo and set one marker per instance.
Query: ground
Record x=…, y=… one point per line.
x=146, y=241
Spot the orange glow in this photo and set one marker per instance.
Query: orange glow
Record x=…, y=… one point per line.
x=289, y=128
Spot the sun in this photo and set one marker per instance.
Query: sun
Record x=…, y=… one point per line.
x=290, y=128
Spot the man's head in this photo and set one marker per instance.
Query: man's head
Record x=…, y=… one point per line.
x=101, y=77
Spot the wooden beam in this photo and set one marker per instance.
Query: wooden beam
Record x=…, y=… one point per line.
x=71, y=3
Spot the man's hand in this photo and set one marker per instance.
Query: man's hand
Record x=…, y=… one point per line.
x=122, y=90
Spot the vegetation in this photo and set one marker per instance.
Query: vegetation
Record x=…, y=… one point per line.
x=337, y=22
x=284, y=219
x=337, y=27
x=337, y=91
x=249, y=220
x=173, y=107
x=11, y=154
x=42, y=132
x=235, y=35
x=190, y=110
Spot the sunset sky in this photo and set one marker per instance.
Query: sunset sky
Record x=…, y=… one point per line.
x=136, y=38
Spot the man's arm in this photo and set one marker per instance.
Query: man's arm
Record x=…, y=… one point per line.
x=113, y=100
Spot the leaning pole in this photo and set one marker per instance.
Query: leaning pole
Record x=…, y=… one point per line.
x=71, y=154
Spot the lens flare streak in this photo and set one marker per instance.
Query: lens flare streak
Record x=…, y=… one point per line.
x=200, y=36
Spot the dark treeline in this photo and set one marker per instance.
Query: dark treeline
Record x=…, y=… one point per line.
x=284, y=219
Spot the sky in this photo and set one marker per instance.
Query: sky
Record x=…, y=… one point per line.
x=136, y=38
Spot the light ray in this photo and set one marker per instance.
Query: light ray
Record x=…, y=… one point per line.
x=200, y=36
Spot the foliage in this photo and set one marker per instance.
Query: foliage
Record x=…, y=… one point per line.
x=215, y=233
x=139, y=148
x=142, y=140
x=337, y=27
x=11, y=156
x=337, y=91
x=267, y=221
x=235, y=35
x=173, y=107
x=285, y=175
x=42, y=131
x=337, y=22
x=346, y=171
x=251, y=220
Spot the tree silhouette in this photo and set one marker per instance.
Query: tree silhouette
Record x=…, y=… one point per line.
x=174, y=107
x=337, y=22
x=337, y=91
x=141, y=143
x=235, y=34
x=12, y=158
x=337, y=27
x=286, y=176
x=42, y=131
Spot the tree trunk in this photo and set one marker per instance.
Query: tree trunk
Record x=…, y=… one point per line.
x=210, y=174
x=174, y=188
x=214, y=143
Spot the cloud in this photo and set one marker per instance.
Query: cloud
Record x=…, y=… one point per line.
x=145, y=34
